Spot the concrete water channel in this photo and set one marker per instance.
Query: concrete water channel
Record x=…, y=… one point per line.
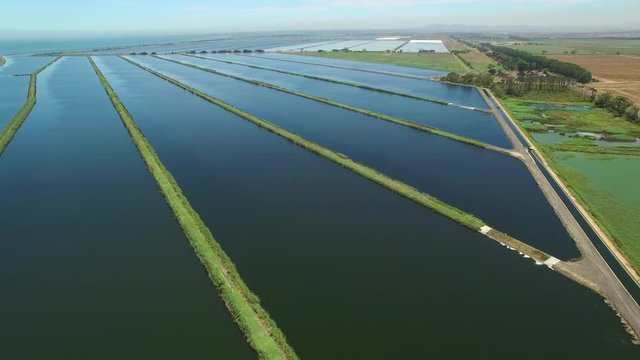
x=591, y=269
x=345, y=268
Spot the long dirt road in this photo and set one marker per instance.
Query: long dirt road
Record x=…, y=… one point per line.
x=591, y=270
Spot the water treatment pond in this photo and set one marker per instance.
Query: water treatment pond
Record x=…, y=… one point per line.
x=346, y=268
x=463, y=95
x=473, y=124
x=492, y=186
x=92, y=263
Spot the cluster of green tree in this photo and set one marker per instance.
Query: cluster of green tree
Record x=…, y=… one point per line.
x=143, y=53
x=619, y=105
x=522, y=85
x=483, y=80
x=523, y=61
x=457, y=53
x=504, y=84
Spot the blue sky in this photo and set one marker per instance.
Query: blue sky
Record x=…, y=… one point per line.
x=192, y=16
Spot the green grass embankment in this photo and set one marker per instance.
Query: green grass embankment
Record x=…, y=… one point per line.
x=18, y=119
x=366, y=87
x=396, y=186
x=369, y=113
x=436, y=61
x=261, y=331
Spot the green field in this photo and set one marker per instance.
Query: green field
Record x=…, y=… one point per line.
x=608, y=186
x=581, y=46
x=440, y=61
x=593, y=120
x=604, y=177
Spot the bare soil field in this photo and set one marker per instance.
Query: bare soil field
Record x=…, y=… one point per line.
x=479, y=60
x=618, y=74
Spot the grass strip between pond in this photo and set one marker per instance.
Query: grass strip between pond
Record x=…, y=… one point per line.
x=261, y=331
x=399, y=187
x=362, y=86
x=18, y=119
x=369, y=113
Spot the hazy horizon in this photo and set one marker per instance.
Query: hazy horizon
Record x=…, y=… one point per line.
x=125, y=18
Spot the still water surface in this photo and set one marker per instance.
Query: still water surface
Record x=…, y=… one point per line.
x=92, y=263
x=474, y=124
x=348, y=269
x=494, y=187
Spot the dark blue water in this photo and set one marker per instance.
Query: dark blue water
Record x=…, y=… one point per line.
x=462, y=95
x=406, y=70
x=92, y=263
x=474, y=124
x=350, y=270
x=492, y=186
x=13, y=93
x=23, y=65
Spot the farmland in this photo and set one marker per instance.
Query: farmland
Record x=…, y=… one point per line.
x=276, y=206
x=437, y=61
x=478, y=61
x=578, y=46
x=618, y=74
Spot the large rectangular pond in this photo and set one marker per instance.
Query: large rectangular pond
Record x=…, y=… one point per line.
x=92, y=263
x=458, y=94
x=346, y=268
x=492, y=186
x=473, y=124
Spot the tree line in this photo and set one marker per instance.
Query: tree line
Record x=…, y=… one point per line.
x=619, y=105
x=504, y=84
x=522, y=61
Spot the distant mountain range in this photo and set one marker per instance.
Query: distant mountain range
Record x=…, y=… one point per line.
x=630, y=29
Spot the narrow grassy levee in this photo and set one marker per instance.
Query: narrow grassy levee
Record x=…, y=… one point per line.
x=362, y=86
x=369, y=113
x=261, y=331
x=399, y=187
x=18, y=119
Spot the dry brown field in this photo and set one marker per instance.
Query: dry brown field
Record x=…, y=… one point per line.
x=479, y=60
x=618, y=74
